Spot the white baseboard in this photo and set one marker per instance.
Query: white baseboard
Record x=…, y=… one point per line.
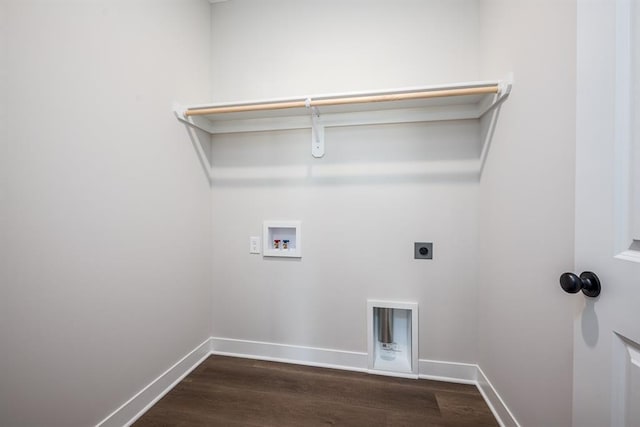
x=453, y=372
x=310, y=356
x=494, y=401
x=133, y=409
x=465, y=373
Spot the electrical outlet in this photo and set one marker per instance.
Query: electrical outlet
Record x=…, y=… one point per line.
x=423, y=250
x=254, y=244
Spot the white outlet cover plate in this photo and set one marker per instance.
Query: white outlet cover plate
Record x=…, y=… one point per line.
x=254, y=244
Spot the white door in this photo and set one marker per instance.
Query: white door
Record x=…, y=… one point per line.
x=607, y=328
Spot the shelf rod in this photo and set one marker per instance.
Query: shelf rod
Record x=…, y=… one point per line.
x=343, y=101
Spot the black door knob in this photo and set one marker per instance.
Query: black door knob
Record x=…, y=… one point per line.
x=588, y=282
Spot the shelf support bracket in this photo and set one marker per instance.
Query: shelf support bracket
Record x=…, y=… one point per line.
x=317, y=131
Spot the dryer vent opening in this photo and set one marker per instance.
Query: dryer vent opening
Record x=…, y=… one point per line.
x=392, y=337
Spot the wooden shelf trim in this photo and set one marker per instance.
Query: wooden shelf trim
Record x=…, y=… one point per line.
x=347, y=100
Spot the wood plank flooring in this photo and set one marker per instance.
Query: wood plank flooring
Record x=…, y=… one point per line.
x=231, y=392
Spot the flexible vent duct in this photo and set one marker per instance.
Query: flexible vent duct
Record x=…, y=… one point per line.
x=385, y=325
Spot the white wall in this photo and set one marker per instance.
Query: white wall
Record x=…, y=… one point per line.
x=280, y=48
x=106, y=273
x=3, y=120
x=377, y=190
x=527, y=210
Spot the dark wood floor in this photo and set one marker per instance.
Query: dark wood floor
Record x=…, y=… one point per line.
x=227, y=391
